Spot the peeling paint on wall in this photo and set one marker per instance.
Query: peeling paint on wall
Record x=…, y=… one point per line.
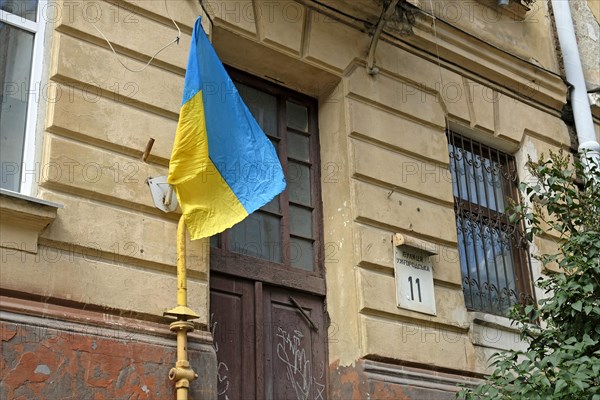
x=39, y=363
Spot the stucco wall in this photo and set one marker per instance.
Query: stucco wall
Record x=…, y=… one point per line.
x=586, y=19
x=384, y=158
x=109, y=245
x=109, y=252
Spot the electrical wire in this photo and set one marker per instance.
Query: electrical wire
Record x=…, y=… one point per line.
x=437, y=50
x=176, y=40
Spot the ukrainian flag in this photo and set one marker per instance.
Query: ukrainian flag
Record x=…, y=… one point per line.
x=223, y=167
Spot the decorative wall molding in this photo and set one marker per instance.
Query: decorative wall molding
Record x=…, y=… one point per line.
x=463, y=51
x=60, y=318
x=416, y=377
x=22, y=220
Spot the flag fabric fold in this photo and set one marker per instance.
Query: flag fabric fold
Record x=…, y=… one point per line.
x=223, y=167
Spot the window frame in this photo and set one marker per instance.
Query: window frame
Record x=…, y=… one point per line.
x=29, y=170
x=230, y=262
x=484, y=216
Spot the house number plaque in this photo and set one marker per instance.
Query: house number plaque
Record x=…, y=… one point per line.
x=413, y=270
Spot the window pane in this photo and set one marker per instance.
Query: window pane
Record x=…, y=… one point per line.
x=215, y=241
x=257, y=236
x=477, y=179
x=298, y=180
x=469, y=282
x=298, y=146
x=16, y=49
x=301, y=221
x=297, y=116
x=272, y=206
x=458, y=167
x=506, y=270
x=487, y=174
x=22, y=8
x=262, y=105
x=498, y=187
x=472, y=177
x=301, y=253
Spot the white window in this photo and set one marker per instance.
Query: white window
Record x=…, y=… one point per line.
x=21, y=53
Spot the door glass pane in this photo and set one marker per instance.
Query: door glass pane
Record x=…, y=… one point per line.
x=272, y=206
x=297, y=116
x=257, y=236
x=262, y=105
x=298, y=146
x=298, y=180
x=301, y=253
x=301, y=221
x=16, y=49
x=215, y=241
x=23, y=8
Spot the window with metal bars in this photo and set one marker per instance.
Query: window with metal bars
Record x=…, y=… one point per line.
x=493, y=252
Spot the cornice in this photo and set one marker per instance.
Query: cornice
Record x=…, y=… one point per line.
x=463, y=53
x=442, y=43
x=462, y=50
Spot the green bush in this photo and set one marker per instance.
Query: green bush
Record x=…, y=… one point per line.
x=563, y=332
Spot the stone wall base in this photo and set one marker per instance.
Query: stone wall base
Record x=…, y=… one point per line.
x=80, y=355
x=375, y=380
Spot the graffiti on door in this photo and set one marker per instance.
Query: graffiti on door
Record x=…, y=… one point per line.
x=291, y=352
x=222, y=368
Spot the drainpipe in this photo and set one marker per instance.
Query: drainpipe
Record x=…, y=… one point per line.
x=582, y=112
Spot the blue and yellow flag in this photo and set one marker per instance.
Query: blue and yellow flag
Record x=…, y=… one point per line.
x=223, y=166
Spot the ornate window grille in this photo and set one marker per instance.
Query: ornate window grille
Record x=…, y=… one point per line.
x=493, y=252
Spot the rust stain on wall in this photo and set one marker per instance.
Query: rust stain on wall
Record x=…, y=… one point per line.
x=344, y=381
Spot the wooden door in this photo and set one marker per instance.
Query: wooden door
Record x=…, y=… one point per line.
x=267, y=277
x=267, y=348
x=233, y=329
x=295, y=346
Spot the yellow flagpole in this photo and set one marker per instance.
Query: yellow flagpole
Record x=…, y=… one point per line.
x=181, y=264
x=182, y=373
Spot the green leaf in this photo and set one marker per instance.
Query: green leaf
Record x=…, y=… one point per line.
x=560, y=384
x=562, y=360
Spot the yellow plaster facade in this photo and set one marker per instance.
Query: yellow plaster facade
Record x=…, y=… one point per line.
x=490, y=74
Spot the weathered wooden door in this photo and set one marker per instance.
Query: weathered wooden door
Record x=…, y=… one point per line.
x=266, y=347
x=295, y=352
x=267, y=279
